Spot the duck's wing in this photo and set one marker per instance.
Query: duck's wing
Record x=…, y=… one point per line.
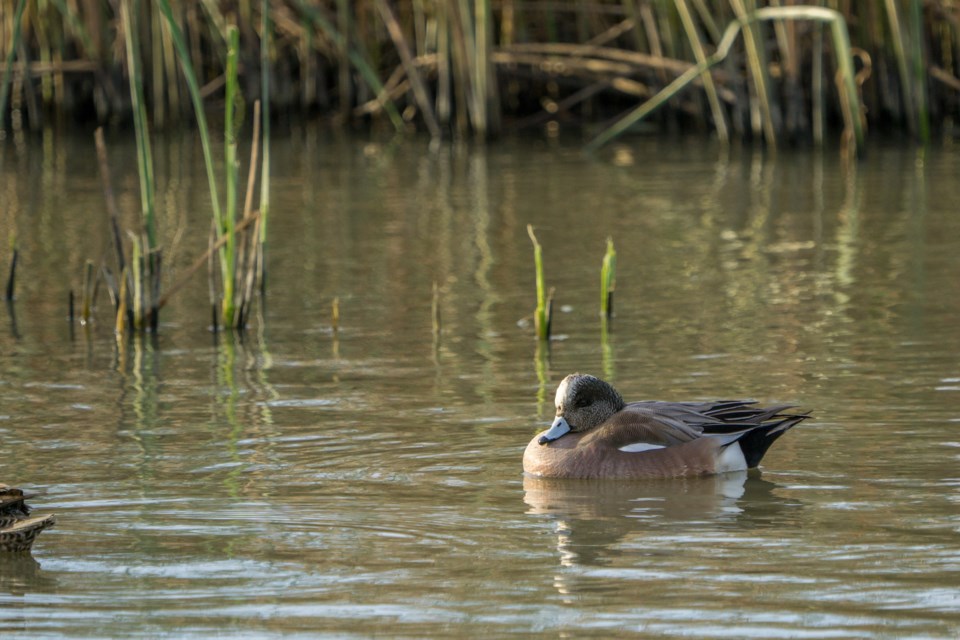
x=643, y=424
x=719, y=416
x=663, y=424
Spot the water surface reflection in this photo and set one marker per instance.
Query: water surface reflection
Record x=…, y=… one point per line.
x=365, y=480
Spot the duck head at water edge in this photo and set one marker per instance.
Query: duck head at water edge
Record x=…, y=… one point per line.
x=595, y=434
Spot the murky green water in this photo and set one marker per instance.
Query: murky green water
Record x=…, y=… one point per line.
x=367, y=481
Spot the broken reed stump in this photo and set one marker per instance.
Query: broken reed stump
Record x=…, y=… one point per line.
x=12, y=277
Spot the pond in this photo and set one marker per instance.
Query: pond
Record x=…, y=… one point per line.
x=365, y=479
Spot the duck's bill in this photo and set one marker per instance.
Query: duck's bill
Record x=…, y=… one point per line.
x=556, y=430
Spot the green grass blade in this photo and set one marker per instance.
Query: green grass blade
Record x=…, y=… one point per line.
x=183, y=53
x=144, y=153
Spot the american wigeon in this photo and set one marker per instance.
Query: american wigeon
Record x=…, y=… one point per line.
x=17, y=529
x=597, y=435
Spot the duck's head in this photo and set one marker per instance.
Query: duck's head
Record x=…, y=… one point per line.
x=583, y=402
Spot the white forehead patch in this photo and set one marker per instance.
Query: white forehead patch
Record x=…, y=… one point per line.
x=561, y=392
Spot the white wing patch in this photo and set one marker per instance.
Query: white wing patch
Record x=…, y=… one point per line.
x=640, y=446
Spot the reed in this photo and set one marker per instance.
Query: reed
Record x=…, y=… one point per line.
x=8, y=66
x=919, y=70
x=240, y=255
x=847, y=82
x=699, y=52
x=608, y=280
x=542, y=314
x=435, y=314
x=141, y=126
x=265, y=27
x=145, y=249
x=87, y=293
x=468, y=65
x=227, y=221
x=10, y=289
x=196, y=97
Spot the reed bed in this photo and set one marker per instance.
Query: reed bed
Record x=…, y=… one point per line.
x=482, y=67
x=237, y=235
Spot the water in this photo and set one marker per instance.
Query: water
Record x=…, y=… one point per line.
x=366, y=481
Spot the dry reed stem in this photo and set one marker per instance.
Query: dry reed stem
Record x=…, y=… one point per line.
x=693, y=37
x=419, y=89
x=199, y=262
x=112, y=210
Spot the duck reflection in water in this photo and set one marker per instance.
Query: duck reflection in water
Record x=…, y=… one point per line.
x=593, y=516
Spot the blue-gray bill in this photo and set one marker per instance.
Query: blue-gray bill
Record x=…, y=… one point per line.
x=556, y=430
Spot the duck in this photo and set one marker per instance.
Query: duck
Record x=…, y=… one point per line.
x=17, y=529
x=595, y=434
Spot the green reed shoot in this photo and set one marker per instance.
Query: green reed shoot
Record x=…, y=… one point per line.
x=608, y=280
x=542, y=313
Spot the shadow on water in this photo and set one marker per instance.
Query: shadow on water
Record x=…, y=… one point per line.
x=12, y=312
x=593, y=516
x=21, y=574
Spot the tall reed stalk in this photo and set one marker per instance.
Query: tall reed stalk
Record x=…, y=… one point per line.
x=265, y=27
x=8, y=67
x=226, y=223
x=919, y=70
x=541, y=316
x=145, y=259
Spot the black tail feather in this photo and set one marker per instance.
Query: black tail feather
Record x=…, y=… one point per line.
x=755, y=442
